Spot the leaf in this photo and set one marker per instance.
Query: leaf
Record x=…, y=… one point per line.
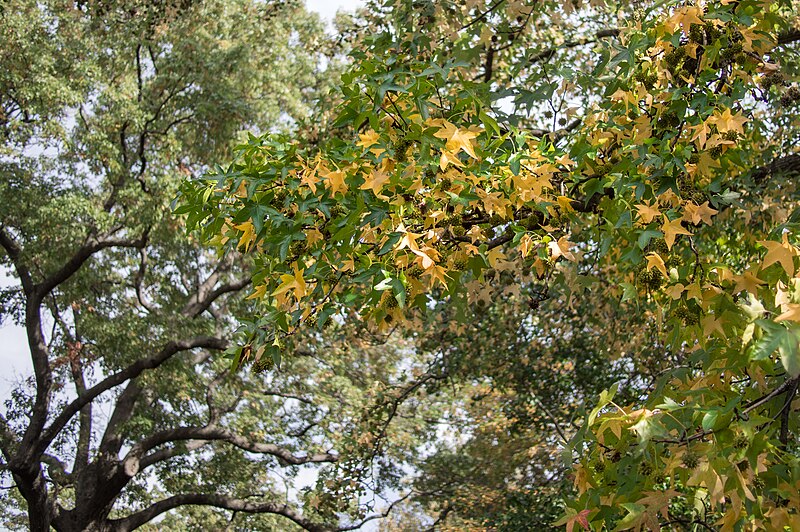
x=458, y=139
x=780, y=252
x=573, y=516
x=375, y=181
x=789, y=352
x=248, y=235
x=671, y=229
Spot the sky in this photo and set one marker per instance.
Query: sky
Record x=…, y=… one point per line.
x=328, y=8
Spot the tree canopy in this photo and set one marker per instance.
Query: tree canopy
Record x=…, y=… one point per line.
x=571, y=156
x=104, y=108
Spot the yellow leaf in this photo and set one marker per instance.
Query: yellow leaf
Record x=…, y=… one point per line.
x=654, y=260
x=409, y=241
x=647, y=212
x=248, y=235
x=698, y=213
x=780, y=252
x=748, y=282
x=309, y=177
x=565, y=203
x=727, y=121
x=675, y=291
x=436, y=273
x=711, y=324
x=671, y=229
x=335, y=181
x=449, y=157
x=294, y=282
x=375, y=181
x=370, y=138
x=259, y=292
x=525, y=244
x=561, y=248
x=457, y=139
x=494, y=256
x=791, y=313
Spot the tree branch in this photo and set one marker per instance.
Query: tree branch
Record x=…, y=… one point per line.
x=220, y=501
x=14, y=252
x=131, y=372
x=132, y=462
x=789, y=36
x=92, y=245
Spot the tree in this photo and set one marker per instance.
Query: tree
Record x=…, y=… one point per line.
x=129, y=413
x=645, y=154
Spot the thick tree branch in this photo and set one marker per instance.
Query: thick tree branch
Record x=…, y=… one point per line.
x=111, y=442
x=132, y=462
x=14, y=252
x=789, y=165
x=220, y=501
x=789, y=36
x=92, y=245
x=206, y=293
x=131, y=372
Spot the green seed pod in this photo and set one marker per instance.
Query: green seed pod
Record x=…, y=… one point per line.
x=690, y=460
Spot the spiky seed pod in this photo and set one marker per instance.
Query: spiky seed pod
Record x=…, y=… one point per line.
x=458, y=230
x=651, y=279
x=731, y=135
x=455, y=219
x=388, y=301
x=712, y=33
x=686, y=315
x=690, y=460
x=414, y=272
x=741, y=442
x=459, y=264
x=262, y=365
x=445, y=183
x=338, y=210
x=599, y=467
x=770, y=79
x=696, y=33
x=645, y=469
x=694, y=158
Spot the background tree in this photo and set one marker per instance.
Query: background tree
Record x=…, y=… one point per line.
x=131, y=410
x=643, y=153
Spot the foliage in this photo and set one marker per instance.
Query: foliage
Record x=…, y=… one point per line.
x=639, y=157
x=106, y=106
